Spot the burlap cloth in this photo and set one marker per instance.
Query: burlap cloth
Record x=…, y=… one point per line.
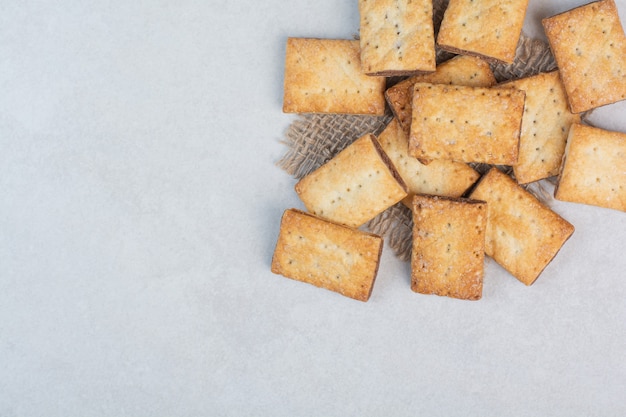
x=313, y=139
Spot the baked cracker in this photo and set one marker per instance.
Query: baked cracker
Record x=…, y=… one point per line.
x=397, y=37
x=487, y=28
x=324, y=76
x=327, y=255
x=545, y=125
x=354, y=186
x=466, y=124
x=440, y=177
x=523, y=235
x=460, y=70
x=589, y=46
x=594, y=168
x=448, y=251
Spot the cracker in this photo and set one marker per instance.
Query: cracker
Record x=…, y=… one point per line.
x=327, y=255
x=487, y=28
x=324, y=76
x=448, y=252
x=466, y=124
x=440, y=177
x=594, y=169
x=589, y=46
x=397, y=37
x=460, y=70
x=545, y=124
x=354, y=186
x=523, y=235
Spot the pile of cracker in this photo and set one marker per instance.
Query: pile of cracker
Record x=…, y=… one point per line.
x=446, y=118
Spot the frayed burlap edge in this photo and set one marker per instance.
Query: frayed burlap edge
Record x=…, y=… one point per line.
x=313, y=139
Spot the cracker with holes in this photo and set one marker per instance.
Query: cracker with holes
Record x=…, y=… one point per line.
x=354, y=186
x=327, y=255
x=397, y=37
x=594, y=169
x=487, y=28
x=440, y=177
x=589, y=45
x=324, y=76
x=447, y=257
x=545, y=125
x=460, y=70
x=466, y=124
x=523, y=235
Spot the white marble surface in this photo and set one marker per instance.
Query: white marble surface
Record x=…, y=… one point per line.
x=140, y=206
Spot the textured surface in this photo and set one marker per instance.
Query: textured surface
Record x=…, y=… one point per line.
x=397, y=36
x=522, y=235
x=489, y=28
x=327, y=255
x=445, y=126
x=545, y=126
x=589, y=45
x=448, y=247
x=324, y=76
x=594, y=169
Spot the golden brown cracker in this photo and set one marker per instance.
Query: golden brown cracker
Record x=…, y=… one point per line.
x=545, y=125
x=523, y=235
x=594, y=168
x=354, y=186
x=440, y=177
x=397, y=37
x=589, y=45
x=466, y=124
x=327, y=255
x=447, y=258
x=487, y=28
x=324, y=76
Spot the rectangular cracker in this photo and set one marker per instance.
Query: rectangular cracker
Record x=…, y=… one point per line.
x=523, y=235
x=327, y=255
x=487, y=28
x=397, y=37
x=448, y=251
x=594, y=168
x=460, y=70
x=354, y=186
x=589, y=45
x=440, y=177
x=466, y=124
x=324, y=76
x=545, y=125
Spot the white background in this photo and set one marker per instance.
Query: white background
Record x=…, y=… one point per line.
x=140, y=205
